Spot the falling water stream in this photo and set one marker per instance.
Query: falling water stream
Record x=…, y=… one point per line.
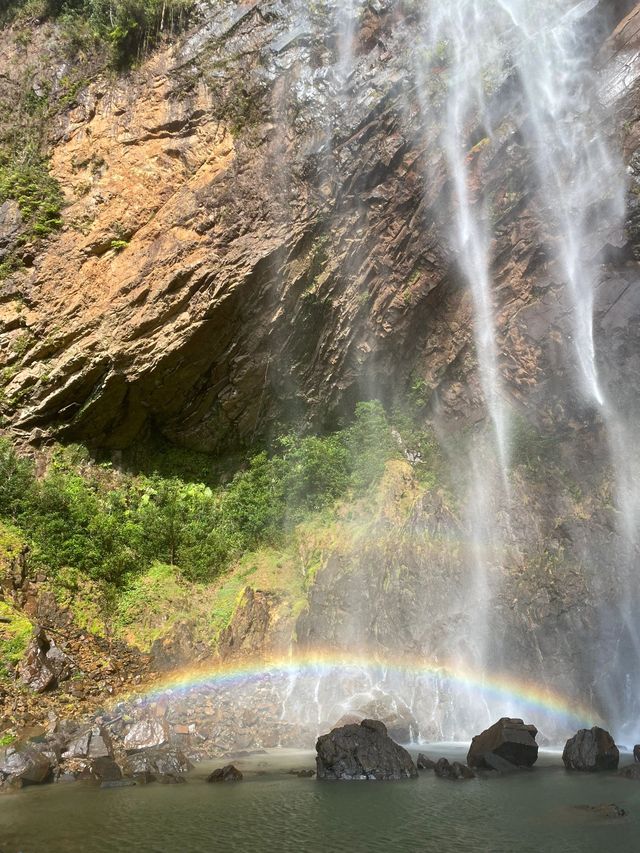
x=469, y=57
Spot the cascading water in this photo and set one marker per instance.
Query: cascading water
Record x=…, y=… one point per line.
x=485, y=74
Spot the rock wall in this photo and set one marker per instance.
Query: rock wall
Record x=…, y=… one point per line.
x=246, y=244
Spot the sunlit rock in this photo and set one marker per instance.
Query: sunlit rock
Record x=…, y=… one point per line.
x=25, y=766
x=145, y=734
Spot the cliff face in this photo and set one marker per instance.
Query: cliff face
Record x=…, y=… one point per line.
x=250, y=241
x=244, y=243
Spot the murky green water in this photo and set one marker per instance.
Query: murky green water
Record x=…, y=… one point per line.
x=273, y=811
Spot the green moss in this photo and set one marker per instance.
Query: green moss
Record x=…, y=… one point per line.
x=14, y=638
x=87, y=600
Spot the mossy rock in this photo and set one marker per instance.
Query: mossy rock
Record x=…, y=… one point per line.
x=15, y=634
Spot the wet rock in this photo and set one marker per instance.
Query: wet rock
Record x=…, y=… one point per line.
x=100, y=745
x=510, y=739
x=117, y=783
x=424, y=763
x=99, y=770
x=44, y=665
x=302, y=774
x=636, y=752
x=365, y=751
x=93, y=743
x=156, y=765
x=456, y=770
x=146, y=734
x=34, y=670
x=591, y=750
x=630, y=771
x=25, y=766
x=228, y=773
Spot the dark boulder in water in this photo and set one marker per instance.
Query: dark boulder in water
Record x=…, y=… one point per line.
x=160, y=764
x=591, y=750
x=510, y=739
x=456, y=770
x=360, y=752
x=101, y=769
x=229, y=773
x=425, y=763
x=631, y=771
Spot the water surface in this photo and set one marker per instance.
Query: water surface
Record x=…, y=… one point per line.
x=272, y=811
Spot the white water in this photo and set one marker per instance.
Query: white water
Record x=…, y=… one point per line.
x=464, y=53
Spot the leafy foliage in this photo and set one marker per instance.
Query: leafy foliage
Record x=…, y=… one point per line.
x=127, y=27
x=110, y=527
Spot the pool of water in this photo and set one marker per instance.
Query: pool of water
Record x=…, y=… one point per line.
x=274, y=811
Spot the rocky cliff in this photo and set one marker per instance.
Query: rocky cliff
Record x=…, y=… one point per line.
x=248, y=240
x=246, y=243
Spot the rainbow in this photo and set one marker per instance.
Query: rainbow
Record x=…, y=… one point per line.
x=506, y=691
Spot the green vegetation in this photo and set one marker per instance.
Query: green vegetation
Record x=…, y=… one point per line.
x=84, y=520
x=127, y=27
x=14, y=638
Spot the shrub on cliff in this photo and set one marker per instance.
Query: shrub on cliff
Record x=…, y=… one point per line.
x=128, y=27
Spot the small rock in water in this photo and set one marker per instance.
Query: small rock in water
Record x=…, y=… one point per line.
x=425, y=763
x=509, y=739
x=631, y=771
x=360, y=752
x=603, y=810
x=636, y=752
x=117, y=783
x=152, y=765
x=302, y=774
x=591, y=750
x=229, y=773
x=453, y=771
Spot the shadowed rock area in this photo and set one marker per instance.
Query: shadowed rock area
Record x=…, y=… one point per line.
x=509, y=740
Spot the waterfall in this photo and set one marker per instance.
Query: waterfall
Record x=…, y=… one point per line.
x=485, y=74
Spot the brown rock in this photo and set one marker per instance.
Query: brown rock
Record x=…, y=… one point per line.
x=228, y=773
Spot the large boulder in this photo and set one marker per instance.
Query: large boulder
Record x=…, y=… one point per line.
x=591, y=750
x=166, y=764
x=146, y=734
x=25, y=766
x=92, y=743
x=229, y=773
x=363, y=751
x=510, y=739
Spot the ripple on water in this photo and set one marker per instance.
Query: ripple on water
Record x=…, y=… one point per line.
x=279, y=813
